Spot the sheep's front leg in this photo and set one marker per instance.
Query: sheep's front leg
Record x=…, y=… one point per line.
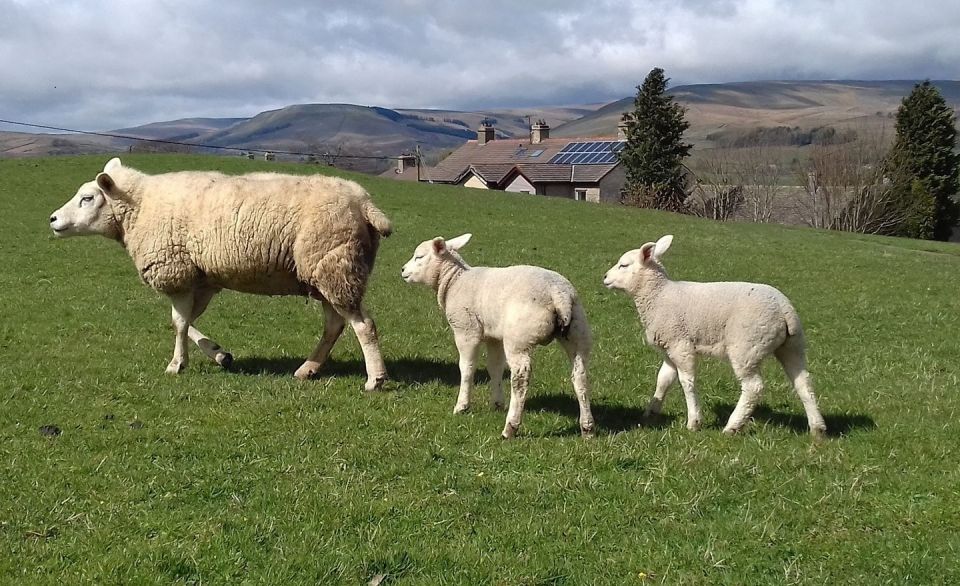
x=496, y=361
x=665, y=379
x=468, y=346
x=201, y=299
x=181, y=313
x=684, y=359
x=519, y=381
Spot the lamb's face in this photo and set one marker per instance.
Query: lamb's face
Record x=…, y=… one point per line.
x=627, y=273
x=423, y=266
x=87, y=212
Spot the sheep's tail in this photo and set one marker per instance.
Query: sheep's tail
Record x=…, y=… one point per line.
x=563, y=304
x=792, y=319
x=377, y=219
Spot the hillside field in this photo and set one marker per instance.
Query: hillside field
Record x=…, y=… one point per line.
x=251, y=476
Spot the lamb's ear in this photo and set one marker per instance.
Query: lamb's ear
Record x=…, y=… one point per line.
x=112, y=165
x=439, y=245
x=662, y=246
x=646, y=252
x=459, y=242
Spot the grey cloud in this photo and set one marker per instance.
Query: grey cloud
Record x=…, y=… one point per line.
x=107, y=64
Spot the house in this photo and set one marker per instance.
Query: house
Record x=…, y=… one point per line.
x=585, y=169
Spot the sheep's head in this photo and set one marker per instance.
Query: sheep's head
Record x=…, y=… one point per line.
x=430, y=256
x=637, y=266
x=91, y=210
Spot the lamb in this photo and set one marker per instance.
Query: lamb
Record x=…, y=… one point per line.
x=511, y=310
x=193, y=234
x=742, y=322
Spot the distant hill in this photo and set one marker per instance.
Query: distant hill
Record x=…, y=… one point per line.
x=712, y=109
x=805, y=104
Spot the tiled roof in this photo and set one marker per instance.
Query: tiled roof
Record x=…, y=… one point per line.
x=510, y=151
x=545, y=173
x=494, y=160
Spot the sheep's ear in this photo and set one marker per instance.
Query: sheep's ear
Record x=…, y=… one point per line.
x=112, y=165
x=439, y=245
x=459, y=242
x=106, y=183
x=662, y=246
x=646, y=252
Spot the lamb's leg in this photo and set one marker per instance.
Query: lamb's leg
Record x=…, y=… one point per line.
x=579, y=357
x=686, y=363
x=496, y=362
x=333, y=324
x=752, y=390
x=519, y=362
x=468, y=346
x=665, y=379
x=366, y=332
x=795, y=366
x=182, y=310
x=201, y=299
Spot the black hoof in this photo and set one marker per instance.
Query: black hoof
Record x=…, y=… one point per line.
x=226, y=362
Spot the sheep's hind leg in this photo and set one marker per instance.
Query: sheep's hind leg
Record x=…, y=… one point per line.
x=181, y=312
x=333, y=324
x=496, y=361
x=519, y=362
x=579, y=357
x=366, y=332
x=795, y=366
x=468, y=347
x=665, y=379
x=752, y=390
x=201, y=299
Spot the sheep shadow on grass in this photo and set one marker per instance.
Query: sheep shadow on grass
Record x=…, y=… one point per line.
x=405, y=370
x=838, y=425
x=608, y=418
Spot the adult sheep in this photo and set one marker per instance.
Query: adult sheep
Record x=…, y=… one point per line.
x=193, y=234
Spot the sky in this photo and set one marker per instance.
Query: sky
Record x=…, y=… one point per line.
x=107, y=64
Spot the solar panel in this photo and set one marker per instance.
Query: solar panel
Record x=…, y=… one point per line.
x=589, y=153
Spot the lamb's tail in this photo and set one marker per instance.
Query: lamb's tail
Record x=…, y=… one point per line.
x=376, y=218
x=792, y=319
x=563, y=303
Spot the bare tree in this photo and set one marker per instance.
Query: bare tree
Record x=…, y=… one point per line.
x=718, y=190
x=845, y=187
x=763, y=181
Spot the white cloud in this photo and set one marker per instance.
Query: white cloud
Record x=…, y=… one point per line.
x=107, y=64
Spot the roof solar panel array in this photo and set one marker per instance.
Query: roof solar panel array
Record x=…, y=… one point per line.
x=589, y=153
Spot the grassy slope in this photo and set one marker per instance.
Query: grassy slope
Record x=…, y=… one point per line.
x=219, y=477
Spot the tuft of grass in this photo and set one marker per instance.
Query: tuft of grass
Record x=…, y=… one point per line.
x=250, y=475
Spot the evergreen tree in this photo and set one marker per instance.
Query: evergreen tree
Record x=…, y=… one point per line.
x=923, y=165
x=654, y=153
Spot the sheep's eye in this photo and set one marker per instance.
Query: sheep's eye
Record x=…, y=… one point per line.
x=624, y=265
x=86, y=199
x=418, y=257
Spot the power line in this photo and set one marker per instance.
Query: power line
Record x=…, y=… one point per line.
x=198, y=145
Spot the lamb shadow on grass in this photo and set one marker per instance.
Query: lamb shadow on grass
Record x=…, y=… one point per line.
x=837, y=424
x=405, y=370
x=607, y=418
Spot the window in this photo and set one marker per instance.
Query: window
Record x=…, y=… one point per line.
x=580, y=194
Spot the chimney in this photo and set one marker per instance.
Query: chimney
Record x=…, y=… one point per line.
x=622, y=130
x=485, y=133
x=539, y=132
x=405, y=162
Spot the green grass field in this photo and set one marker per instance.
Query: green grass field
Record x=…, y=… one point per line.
x=251, y=476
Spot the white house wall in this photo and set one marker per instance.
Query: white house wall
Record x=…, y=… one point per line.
x=520, y=185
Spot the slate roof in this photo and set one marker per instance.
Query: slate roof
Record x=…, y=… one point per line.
x=500, y=156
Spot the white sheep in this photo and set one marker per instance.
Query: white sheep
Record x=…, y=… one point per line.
x=742, y=322
x=192, y=234
x=511, y=310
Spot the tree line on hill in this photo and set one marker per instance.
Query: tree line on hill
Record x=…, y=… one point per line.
x=848, y=182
